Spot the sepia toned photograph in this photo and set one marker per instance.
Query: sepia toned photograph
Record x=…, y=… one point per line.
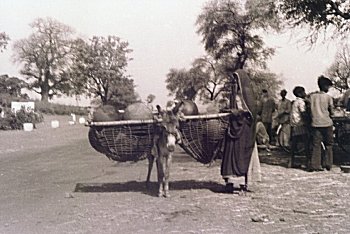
x=174, y=116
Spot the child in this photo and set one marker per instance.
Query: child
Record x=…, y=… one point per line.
x=298, y=124
x=321, y=105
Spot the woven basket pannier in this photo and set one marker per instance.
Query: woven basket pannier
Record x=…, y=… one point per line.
x=127, y=140
x=202, y=135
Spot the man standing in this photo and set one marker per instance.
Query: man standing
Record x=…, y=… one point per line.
x=284, y=108
x=322, y=125
x=268, y=106
x=283, y=113
x=299, y=125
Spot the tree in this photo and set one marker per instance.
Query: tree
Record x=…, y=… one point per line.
x=228, y=31
x=264, y=79
x=205, y=78
x=228, y=34
x=45, y=56
x=184, y=84
x=11, y=89
x=99, y=67
x=320, y=15
x=4, y=38
x=339, y=71
x=11, y=85
x=212, y=76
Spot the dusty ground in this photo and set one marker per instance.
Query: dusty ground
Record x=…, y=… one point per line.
x=52, y=181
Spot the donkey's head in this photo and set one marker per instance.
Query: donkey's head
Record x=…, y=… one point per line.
x=169, y=130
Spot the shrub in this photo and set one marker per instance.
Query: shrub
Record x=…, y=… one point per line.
x=13, y=121
x=59, y=109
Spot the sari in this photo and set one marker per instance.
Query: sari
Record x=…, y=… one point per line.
x=239, y=138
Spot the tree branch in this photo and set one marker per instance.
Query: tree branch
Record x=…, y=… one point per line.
x=337, y=11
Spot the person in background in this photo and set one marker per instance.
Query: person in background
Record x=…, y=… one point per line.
x=90, y=114
x=268, y=106
x=262, y=138
x=321, y=105
x=283, y=111
x=284, y=108
x=299, y=124
x=149, y=102
x=344, y=100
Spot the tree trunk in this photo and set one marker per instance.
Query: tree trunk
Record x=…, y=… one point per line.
x=45, y=88
x=104, y=100
x=44, y=97
x=45, y=93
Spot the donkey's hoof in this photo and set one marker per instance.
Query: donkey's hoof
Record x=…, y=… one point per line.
x=160, y=194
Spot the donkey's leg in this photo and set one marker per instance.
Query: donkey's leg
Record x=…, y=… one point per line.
x=160, y=174
x=167, y=175
x=150, y=167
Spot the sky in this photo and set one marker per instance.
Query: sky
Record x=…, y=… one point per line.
x=162, y=35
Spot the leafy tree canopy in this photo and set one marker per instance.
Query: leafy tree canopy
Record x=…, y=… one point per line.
x=11, y=85
x=320, y=15
x=99, y=68
x=206, y=80
x=264, y=79
x=11, y=89
x=339, y=71
x=213, y=77
x=45, y=57
x=184, y=84
x=229, y=33
x=229, y=29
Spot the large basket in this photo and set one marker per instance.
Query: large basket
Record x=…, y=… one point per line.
x=202, y=134
x=128, y=140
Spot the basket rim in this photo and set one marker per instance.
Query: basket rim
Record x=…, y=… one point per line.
x=206, y=116
x=152, y=121
x=122, y=122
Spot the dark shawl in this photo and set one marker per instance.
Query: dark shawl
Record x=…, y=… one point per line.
x=240, y=136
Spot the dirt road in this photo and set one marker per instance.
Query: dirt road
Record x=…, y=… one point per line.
x=52, y=181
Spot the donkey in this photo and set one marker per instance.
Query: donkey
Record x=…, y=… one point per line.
x=164, y=142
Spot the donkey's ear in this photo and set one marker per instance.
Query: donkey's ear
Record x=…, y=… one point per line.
x=177, y=107
x=160, y=111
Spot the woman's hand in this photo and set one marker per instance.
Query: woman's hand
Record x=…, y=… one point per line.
x=236, y=111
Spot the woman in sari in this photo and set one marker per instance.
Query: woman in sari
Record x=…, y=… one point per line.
x=239, y=138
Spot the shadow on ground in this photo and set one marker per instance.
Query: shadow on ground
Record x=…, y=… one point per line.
x=140, y=186
x=278, y=157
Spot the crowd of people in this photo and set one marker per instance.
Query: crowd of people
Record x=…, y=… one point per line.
x=307, y=119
